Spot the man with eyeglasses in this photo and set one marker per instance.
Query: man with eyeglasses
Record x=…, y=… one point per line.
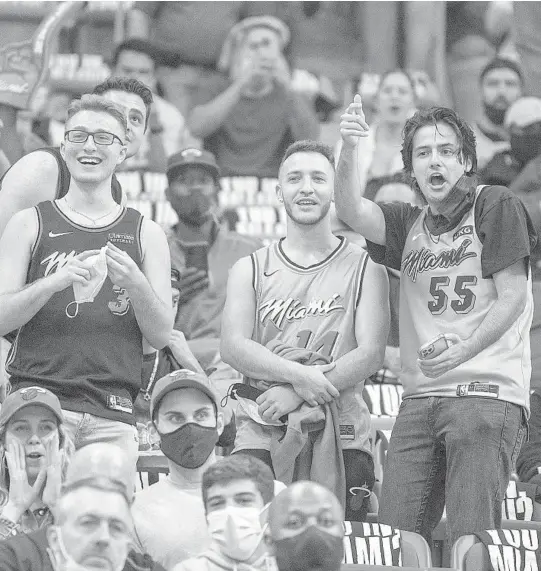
x=84, y=281
x=18, y=188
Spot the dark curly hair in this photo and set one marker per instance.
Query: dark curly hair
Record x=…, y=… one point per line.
x=432, y=116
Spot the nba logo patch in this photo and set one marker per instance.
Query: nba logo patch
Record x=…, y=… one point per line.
x=464, y=231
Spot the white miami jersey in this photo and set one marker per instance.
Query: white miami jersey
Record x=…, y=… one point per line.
x=314, y=308
x=443, y=291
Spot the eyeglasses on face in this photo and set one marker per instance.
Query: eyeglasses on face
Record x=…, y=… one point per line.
x=99, y=137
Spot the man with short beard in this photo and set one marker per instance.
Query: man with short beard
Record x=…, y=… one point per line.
x=501, y=84
x=321, y=297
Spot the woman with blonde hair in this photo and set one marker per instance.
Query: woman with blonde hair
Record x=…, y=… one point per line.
x=34, y=455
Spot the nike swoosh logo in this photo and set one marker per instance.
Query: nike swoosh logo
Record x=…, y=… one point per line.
x=55, y=235
x=271, y=274
x=417, y=236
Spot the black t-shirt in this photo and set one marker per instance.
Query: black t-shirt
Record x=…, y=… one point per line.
x=501, y=221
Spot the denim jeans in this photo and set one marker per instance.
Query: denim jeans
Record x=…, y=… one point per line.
x=449, y=452
x=85, y=428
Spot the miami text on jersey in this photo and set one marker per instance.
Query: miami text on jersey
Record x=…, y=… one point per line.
x=424, y=260
x=276, y=310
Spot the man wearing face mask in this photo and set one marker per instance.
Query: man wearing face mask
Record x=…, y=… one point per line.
x=169, y=515
x=501, y=84
x=235, y=493
x=518, y=167
x=203, y=250
x=306, y=529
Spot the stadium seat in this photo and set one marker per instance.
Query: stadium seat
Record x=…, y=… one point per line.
x=469, y=554
x=415, y=550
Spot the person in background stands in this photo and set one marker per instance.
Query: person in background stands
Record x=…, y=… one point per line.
x=167, y=132
x=251, y=117
x=501, y=84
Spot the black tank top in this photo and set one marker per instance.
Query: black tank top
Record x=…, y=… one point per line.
x=92, y=361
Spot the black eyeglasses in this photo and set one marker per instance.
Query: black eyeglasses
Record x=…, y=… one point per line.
x=99, y=137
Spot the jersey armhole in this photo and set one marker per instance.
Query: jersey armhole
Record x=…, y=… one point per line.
x=139, y=233
x=359, y=279
x=255, y=272
x=37, y=239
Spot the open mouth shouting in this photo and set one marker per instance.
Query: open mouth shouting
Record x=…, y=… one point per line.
x=34, y=456
x=436, y=181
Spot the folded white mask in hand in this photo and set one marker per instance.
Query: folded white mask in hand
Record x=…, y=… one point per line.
x=87, y=291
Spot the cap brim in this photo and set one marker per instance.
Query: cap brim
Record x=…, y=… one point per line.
x=183, y=384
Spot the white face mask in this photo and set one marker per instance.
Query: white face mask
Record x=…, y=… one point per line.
x=237, y=531
x=86, y=292
x=62, y=561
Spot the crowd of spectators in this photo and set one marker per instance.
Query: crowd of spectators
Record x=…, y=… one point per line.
x=134, y=346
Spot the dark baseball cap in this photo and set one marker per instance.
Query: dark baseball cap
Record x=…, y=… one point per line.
x=181, y=379
x=30, y=396
x=192, y=156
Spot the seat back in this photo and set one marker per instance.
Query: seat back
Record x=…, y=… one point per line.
x=415, y=550
x=469, y=554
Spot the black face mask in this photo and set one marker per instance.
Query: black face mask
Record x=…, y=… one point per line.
x=190, y=445
x=311, y=549
x=526, y=143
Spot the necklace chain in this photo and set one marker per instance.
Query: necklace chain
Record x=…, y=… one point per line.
x=93, y=220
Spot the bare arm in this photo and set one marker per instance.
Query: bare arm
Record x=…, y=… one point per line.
x=137, y=24
x=371, y=331
x=20, y=302
x=512, y=290
x=302, y=119
x=32, y=179
x=253, y=359
x=207, y=118
x=149, y=290
x=362, y=215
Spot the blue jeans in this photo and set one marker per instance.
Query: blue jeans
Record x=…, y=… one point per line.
x=449, y=452
x=85, y=428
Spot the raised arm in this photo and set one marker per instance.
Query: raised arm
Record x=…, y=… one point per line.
x=253, y=359
x=362, y=215
x=371, y=331
x=149, y=290
x=207, y=118
x=20, y=302
x=32, y=179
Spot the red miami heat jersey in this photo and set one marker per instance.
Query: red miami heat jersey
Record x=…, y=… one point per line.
x=443, y=291
x=92, y=361
x=312, y=308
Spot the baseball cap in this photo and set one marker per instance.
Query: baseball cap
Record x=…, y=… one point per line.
x=192, y=156
x=523, y=112
x=30, y=396
x=181, y=379
x=237, y=32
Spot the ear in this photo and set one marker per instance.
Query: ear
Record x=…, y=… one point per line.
x=468, y=165
x=63, y=149
x=220, y=423
x=279, y=193
x=52, y=534
x=122, y=155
